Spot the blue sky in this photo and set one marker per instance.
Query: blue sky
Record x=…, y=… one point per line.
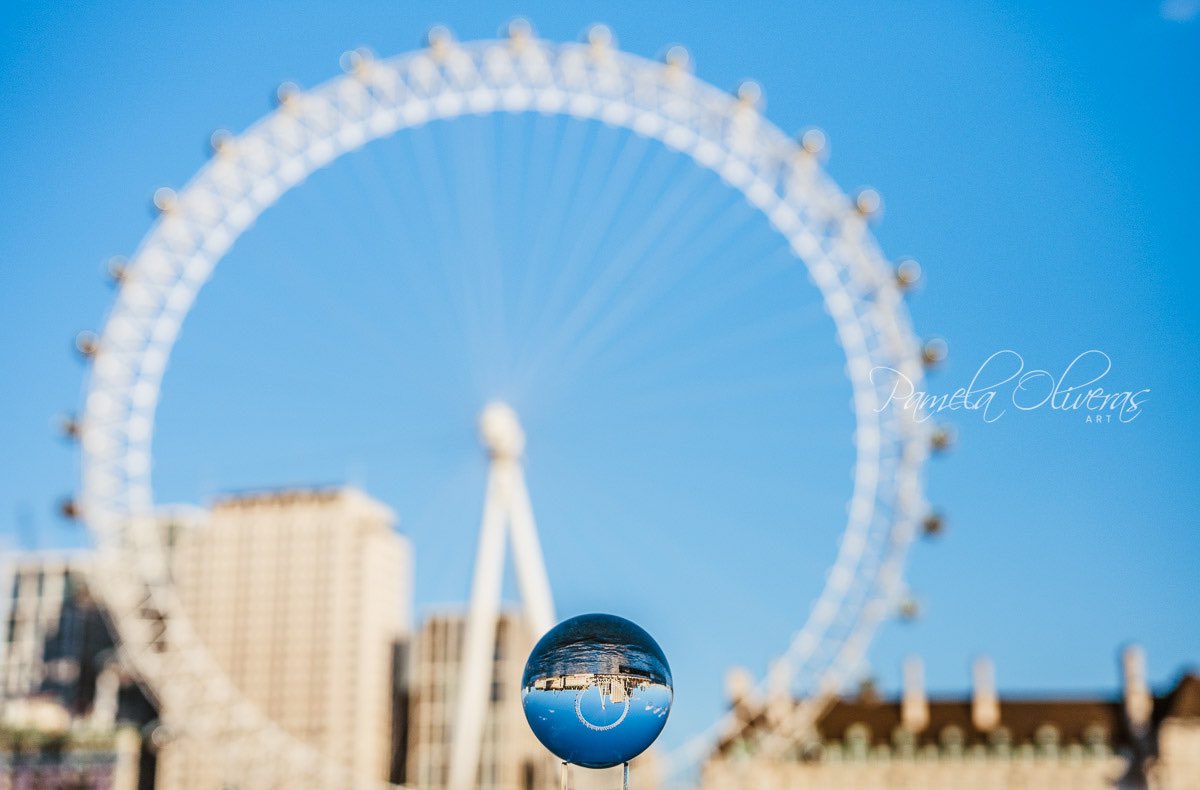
x=1040, y=162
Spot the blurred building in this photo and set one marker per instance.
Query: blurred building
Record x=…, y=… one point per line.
x=303, y=598
x=1132, y=739
x=511, y=757
x=69, y=715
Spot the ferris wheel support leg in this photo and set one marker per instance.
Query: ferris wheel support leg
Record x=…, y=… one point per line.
x=527, y=557
x=480, y=633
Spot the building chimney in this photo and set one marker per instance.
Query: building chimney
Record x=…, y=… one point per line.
x=744, y=703
x=739, y=685
x=1138, y=702
x=985, y=704
x=914, y=707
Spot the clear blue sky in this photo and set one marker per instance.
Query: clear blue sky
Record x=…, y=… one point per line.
x=691, y=471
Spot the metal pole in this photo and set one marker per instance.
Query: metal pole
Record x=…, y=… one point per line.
x=565, y=776
x=527, y=557
x=480, y=634
x=506, y=509
x=625, y=771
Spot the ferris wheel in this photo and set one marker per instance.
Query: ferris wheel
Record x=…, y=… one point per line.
x=779, y=176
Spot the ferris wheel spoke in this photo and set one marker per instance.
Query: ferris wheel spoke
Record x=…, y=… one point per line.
x=425, y=165
x=408, y=216
x=688, y=312
x=397, y=214
x=562, y=183
x=594, y=227
x=477, y=237
x=657, y=262
x=616, y=267
x=685, y=314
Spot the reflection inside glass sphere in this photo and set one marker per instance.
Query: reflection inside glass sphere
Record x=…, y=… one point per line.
x=597, y=690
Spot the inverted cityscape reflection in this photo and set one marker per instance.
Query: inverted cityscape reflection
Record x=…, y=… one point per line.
x=597, y=690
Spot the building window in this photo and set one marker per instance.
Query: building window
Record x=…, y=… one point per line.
x=858, y=740
x=1001, y=741
x=904, y=741
x=1047, y=739
x=951, y=738
x=1095, y=738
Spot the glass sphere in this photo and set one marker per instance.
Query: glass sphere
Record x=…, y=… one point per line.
x=596, y=690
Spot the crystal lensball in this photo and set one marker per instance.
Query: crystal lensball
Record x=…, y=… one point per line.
x=596, y=690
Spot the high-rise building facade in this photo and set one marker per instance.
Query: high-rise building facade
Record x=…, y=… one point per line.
x=511, y=758
x=303, y=598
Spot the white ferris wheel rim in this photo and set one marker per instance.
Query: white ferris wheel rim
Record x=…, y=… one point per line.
x=374, y=99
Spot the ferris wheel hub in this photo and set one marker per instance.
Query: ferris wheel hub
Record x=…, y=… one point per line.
x=500, y=431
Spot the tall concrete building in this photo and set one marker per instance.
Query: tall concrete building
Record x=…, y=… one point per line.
x=1132, y=739
x=303, y=598
x=511, y=757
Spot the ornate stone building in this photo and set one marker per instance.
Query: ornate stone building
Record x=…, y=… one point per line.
x=1134, y=739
